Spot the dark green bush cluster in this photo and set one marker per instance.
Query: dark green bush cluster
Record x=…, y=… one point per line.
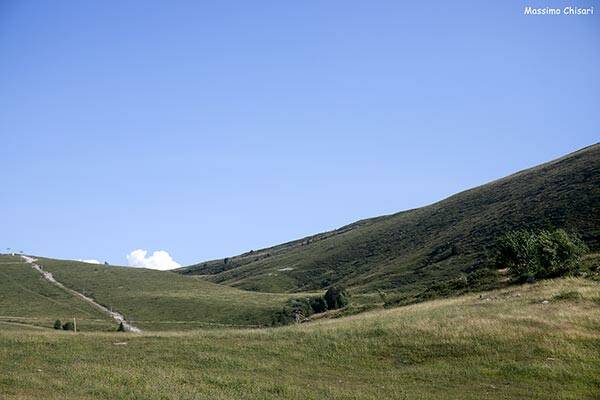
x=318, y=304
x=68, y=326
x=295, y=310
x=298, y=309
x=546, y=254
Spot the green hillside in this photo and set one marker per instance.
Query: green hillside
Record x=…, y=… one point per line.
x=537, y=341
x=154, y=300
x=411, y=250
x=26, y=299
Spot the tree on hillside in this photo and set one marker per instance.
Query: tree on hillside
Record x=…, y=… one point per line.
x=517, y=252
x=121, y=327
x=336, y=297
x=57, y=324
x=545, y=254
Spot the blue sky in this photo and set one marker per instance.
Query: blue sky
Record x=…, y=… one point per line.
x=207, y=129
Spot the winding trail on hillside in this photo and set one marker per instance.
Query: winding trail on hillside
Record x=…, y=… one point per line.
x=113, y=314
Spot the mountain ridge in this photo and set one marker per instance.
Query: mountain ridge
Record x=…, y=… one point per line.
x=412, y=249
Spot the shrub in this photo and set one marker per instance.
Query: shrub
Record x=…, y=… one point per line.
x=517, y=251
x=300, y=307
x=318, y=304
x=336, y=297
x=546, y=254
x=121, y=327
x=282, y=317
x=559, y=253
x=68, y=326
x=57, y=324
x=295, y=310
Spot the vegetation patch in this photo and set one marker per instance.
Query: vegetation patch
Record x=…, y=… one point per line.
x=533, y=255
x=567, y=295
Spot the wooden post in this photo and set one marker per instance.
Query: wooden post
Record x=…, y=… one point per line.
x=74, y=325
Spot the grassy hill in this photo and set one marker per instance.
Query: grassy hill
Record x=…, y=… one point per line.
x=538, y=341
x=26, y=299
x=154, y=300
x=412, y=250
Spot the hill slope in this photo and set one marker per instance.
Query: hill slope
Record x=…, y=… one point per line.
x=154, y=300
x=507, y=344
x=26, y=299
x=413, y=249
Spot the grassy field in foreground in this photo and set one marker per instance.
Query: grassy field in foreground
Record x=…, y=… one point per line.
x=157, y=300
x=505, y=344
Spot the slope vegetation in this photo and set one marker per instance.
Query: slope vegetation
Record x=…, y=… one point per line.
x=157, y=300
x=414, y=249
x=26, y=299
x=537, y=341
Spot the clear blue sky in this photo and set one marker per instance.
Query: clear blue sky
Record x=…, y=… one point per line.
x=208, y=129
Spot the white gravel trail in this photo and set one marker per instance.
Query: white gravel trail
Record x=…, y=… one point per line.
x=49, y=277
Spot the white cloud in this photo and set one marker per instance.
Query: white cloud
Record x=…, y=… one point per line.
x=90, y=261
x=160, y=259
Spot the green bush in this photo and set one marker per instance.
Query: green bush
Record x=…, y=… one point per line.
x=318, y=304
x=301, y=306
x=298, y=309
x=68, y=326
x=57, y=324
x=282, y=317
x=336, y=297
x=545, y=254
x=559, y=253
x=121, y=327
x=517, y=251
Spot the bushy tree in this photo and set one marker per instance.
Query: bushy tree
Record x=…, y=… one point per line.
x=57, y=324
x=545, y=254
x=517, y=252
x=121, y=327
x=559, y=253
x=336, y=297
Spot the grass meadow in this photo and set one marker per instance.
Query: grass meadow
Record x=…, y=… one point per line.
x=538, y=341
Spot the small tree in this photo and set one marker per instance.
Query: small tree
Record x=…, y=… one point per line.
x=559, y=253
x=121, y=327
x=546, y=254
x=517, y=251
x=336, y=297
x=57, y=324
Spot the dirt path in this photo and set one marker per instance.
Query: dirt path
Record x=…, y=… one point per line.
x=113, y=314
